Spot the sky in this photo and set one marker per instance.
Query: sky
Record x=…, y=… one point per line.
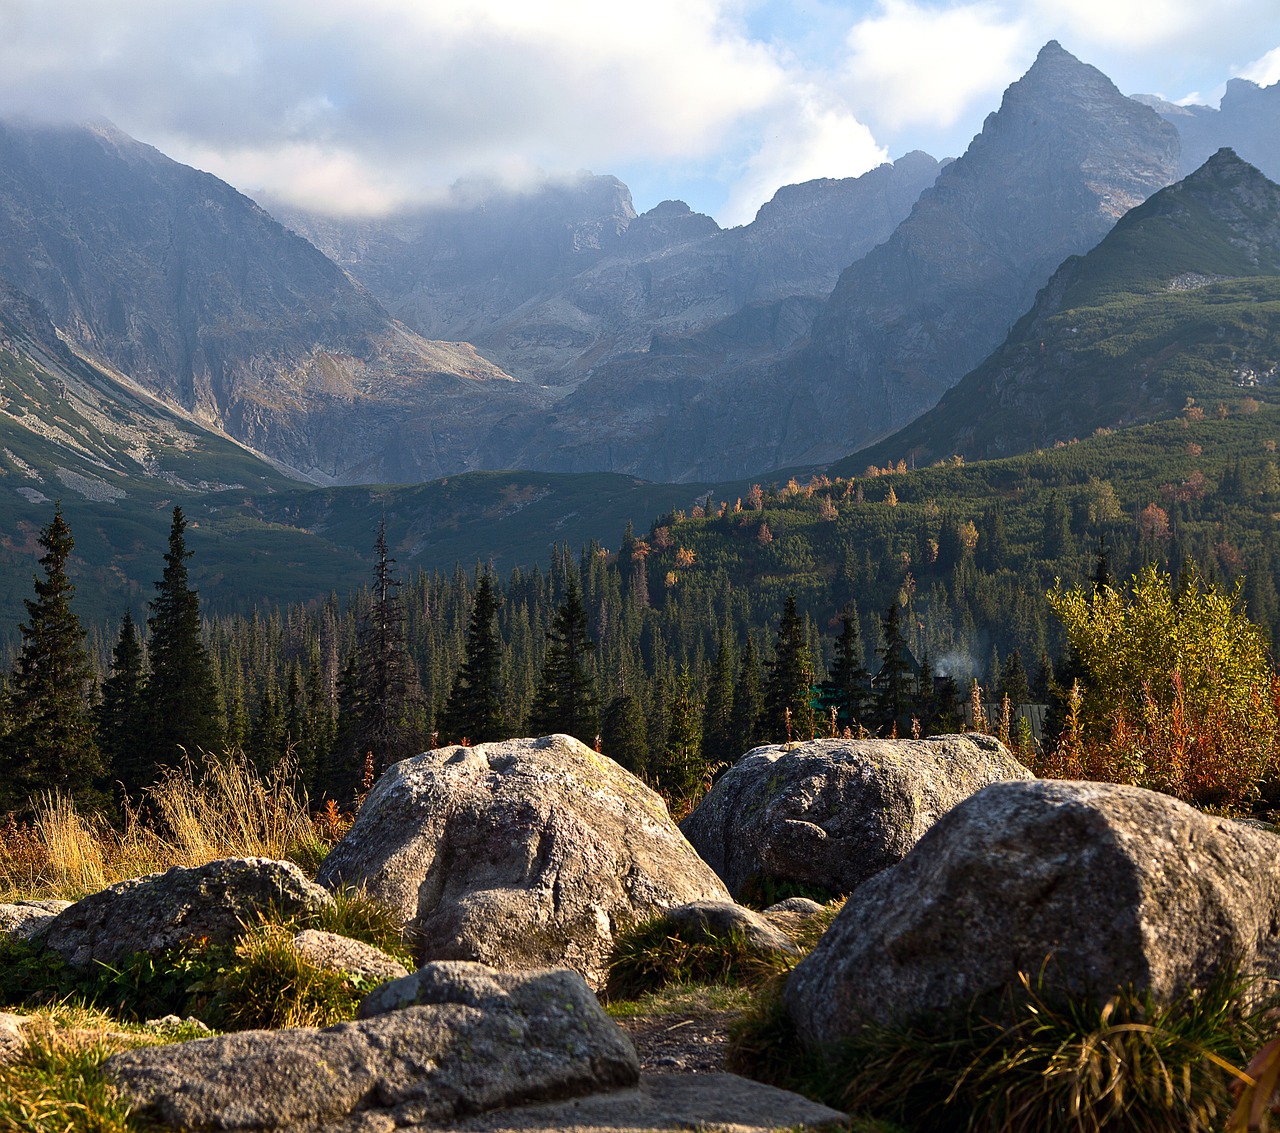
x=364, y=108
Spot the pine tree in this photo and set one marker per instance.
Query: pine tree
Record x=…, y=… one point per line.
x=681, y=774
x=566, y=700
x=121, y=715
x=182, y=697
x=788, y=708
x=378, y=709
x=49, y=742
x=474, y=710
x=623, y=736
x=850, y=683
x=719, y=742
x=894, y=691
x=748, y=702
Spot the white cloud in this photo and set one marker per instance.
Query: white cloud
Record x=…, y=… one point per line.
x=1264, y=71
x=913, y=63
x=814, y=137
x=1135, y=24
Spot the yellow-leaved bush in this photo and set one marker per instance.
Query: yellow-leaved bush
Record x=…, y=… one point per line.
x=1178, y=690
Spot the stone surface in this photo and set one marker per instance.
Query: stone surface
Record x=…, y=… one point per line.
x=725, y=917
x=25, y=919
x=12, y=1035
x=520, y=854
x=1113, y=885
x=342, y=954
x=499, y=1040
x=832, y=813
x=150, y=914
x=723, y=1103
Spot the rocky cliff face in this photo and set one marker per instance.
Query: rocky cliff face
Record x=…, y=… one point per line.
x=1179, y=300
x=1061, y=161
x=172, y=278
x=1247, y=120
x=1064, y=157
x=554, y=283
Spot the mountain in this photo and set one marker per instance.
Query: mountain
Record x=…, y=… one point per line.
x=1064, y=157
x=1179, y=306
x=171, y=278
x=553, y=282
x=1247, y=120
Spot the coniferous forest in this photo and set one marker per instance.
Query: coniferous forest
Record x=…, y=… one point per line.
x=870, y=602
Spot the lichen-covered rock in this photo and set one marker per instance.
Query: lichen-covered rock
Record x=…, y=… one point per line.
x=12, y=1035
x=23, y=920
x=831, y=813
x=149, y=914
x=338, y=953
x=1113, y=886
x=479, y=1040
x=522, y=854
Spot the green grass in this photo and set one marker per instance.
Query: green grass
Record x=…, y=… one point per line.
x=1042, y=1065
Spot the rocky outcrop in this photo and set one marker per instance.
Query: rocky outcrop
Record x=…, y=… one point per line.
x=481, y=1040
x=526, y=853
x=1247, y=119
x=335, y=953
x=832, y=813
x=148, y=914
x=1090, y=886
x=724, y=918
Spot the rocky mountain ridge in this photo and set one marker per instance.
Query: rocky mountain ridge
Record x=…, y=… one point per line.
x=1179, y=304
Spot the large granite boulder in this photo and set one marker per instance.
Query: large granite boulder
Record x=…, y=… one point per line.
x=149, y=914
x=831, y=813
x=522, y=854
x=1099, y=886
x=477, y=1040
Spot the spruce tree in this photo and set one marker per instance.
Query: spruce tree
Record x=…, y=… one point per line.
x=850, y=683
x=49, y=739
x=894, y=683
x=121, y=715
x=475, y=710
x=566, y=700
x=748, y=702
x=623, y=737
x=378, y=694
x=182, y=696
x=788, y=708
x=719, y=742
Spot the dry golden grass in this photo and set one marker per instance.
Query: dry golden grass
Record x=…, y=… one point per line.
x=192, y=815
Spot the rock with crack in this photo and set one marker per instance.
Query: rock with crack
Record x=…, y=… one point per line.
x=520, y=854
x=149, y=914
x=829, y=814
x=478, y=1040
x=1089, y=887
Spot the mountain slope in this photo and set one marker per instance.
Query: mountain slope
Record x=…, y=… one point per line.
x=1247, y=120
x=172, y=278
x=1181, y=300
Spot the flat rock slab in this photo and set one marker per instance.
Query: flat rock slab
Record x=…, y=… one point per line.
x=522, y=854
x=1090, y=887
x=162, y=910
x=494, y=1040
x=832, y=813
x=337, y=953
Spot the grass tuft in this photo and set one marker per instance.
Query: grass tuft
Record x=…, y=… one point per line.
x=657, y=953
x=1073, y=1068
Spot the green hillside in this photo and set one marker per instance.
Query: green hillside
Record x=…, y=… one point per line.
x=1178, y=307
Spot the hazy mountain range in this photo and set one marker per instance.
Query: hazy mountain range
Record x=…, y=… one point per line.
x=559, y=330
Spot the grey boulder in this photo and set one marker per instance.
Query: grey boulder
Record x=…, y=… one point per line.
x=1099, y=886
x=829, y=814
x=23, y=920
x=337, y=953
x=722, y=918
x=522, y=854
x=149, y=914
x=482, y=1041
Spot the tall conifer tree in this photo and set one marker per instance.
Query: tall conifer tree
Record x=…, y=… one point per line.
x=121, y=715
x=790, y=682
x=474, y=710
x=49, y=741
x=566, y=699
x=182, y=696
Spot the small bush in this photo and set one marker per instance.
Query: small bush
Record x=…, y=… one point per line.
x=656, y=953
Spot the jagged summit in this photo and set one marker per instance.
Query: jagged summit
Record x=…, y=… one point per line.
x=1180, y=300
